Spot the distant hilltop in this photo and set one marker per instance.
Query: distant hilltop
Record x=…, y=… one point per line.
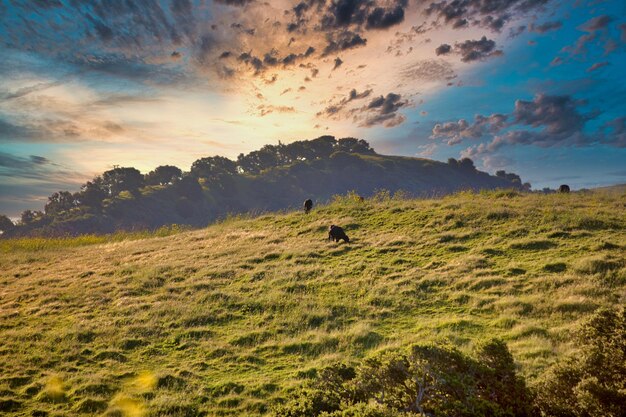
x=272, y=178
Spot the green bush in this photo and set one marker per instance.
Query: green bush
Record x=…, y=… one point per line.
x=423, y=380
x=593, y=383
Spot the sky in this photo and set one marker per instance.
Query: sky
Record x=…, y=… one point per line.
x=534, y=87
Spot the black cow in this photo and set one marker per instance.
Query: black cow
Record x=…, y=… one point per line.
x=308, y=205
x=564, y=188
x=336, y=233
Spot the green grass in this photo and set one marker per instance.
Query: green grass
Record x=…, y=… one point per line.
x=225, y=320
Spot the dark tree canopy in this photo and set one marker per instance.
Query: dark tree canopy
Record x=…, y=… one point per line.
x=29, y=216
x=60, y=202
x=163, y=175
x=213, y=167
x=117, y=180
x=92, y=193
x=6, y=225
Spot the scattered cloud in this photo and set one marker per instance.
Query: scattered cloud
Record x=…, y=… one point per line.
x=597, y=66
x=545, y=27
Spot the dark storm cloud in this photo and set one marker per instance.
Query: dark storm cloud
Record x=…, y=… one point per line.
x=336, y=108
x=476, y=50
x=344, y=14
x=443, y=49
x=456, y=132
x=236, y=3
x=383, y=110
x=493, y=14
x=556, y=121
x=545, y=27
x=342, y=41
x=381, y=18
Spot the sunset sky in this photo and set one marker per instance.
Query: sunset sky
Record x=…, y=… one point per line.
x=531, y=86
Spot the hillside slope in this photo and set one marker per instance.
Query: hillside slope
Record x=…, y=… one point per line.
x=224, y=320
x=273, y=178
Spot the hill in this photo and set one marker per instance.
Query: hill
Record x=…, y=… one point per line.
x=227, y=319
x=276, y=177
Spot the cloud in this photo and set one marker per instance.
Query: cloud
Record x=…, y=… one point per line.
x=265, y=109
x=383, y=110
x=456, y=132
x=333, y=110
x=26, y=181
x=477, y=50
x=493, y=14
x=596, y=23
x=359, y=13
x=236, y=3
x=597, y=66
x=546, y=121
x=597, y=33
x=617, y=132
x=443, y=49
x=428, y=70
x=338, y=63
x=342, y=41
x=381, y=18
x=545, y=27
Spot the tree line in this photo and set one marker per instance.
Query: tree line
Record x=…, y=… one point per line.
x=273, y=177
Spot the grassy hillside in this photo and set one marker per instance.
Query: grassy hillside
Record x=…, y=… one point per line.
x=225, y=320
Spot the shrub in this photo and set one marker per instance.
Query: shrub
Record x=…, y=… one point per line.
x=423, y=380
x=592, y=383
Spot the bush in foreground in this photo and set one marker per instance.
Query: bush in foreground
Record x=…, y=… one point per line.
x=425, y=379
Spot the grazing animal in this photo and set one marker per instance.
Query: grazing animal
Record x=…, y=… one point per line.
x=308, y=205
x=336, y=233
x=564, y=188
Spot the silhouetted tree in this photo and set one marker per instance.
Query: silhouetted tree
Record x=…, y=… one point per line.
x=453, y=162
x=213, y=167
x=6, y=225
x=117, y=180
x=466, y=164
x=188, y=187
x=269, y=156
x=91, y=193
x=29, y=216
x=59, y=202
x=353, y=145
x=163, y=175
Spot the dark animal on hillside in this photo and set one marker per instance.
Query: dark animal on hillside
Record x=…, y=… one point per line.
x=336, y=233
x=564, y=188
x=308, y=205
